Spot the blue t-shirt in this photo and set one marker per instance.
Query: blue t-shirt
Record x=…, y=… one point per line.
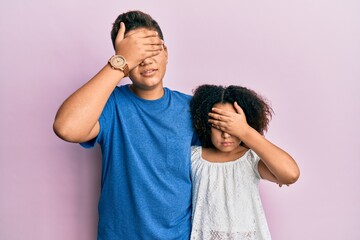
x=146, y=183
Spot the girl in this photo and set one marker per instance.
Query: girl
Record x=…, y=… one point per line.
x=234, y=156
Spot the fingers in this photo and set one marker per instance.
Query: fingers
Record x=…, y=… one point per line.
x=151, y=50
x=217, y=116
x=280, y=184
x=154, y=44
x=142, y=33
x=141, y=36
x=151, y=47
x=148, y=40
x=215, y=123
x=219, y=112
x=238, y=108
x=121, y=32
x=227, y=120
x=137, y=45
x=149, y=37
x=218, y=125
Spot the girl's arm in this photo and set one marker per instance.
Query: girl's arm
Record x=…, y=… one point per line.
x=275, y=162
x=276, y=165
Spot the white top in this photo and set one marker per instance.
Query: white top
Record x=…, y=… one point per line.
x=226, y=202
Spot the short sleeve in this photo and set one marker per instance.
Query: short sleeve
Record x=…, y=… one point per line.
x=105, y=122
x=254, y=159
x=89, y=144
x=195, y=152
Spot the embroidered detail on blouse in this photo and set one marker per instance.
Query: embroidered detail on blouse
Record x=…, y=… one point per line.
x=226, y=200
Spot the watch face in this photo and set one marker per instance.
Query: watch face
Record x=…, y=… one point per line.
x=118, y=62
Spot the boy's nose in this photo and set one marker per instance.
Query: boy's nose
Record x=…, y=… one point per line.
x=146, y=61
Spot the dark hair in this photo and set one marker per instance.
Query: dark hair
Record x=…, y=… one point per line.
x=257, y=111
x=134, y=20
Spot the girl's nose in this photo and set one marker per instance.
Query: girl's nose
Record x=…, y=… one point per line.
x=225, y=135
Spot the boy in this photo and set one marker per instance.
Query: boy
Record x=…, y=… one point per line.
x=145, y=133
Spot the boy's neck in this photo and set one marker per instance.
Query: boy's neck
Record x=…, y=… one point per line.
x=148, y=94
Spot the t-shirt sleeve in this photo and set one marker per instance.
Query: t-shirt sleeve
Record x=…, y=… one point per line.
x=254, y=158
x=89, y=144
x=104, y=122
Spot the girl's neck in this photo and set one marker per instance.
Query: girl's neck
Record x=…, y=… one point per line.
x=215, y=155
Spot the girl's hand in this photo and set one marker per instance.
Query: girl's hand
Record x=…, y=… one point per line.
x=276, y=165
x=233, y=123
x=280, y=185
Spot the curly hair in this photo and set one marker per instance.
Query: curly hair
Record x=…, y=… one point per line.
x=256, y=108
x=133, y=20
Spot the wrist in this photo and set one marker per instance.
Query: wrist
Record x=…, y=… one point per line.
x=246, y=132
x=118, y=62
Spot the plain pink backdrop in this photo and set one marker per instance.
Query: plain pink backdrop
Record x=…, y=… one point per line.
x=304, y=56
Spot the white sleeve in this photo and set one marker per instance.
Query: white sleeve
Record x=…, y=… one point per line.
x=254, y=159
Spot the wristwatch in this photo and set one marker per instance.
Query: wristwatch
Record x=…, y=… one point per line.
x=118, y=62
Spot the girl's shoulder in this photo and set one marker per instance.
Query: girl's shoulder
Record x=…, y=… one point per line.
x=195, y=150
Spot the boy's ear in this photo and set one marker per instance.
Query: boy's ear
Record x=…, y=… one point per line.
x=167, y=53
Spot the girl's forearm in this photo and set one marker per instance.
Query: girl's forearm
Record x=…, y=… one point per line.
x=277, y=161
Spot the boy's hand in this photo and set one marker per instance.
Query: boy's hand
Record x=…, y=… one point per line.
x=233, y=123
x=138, y=45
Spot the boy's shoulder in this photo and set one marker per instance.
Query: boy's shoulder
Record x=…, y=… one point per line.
x=178, y=93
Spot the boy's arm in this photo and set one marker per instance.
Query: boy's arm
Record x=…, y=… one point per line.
x=77, y=118
x=276, y=165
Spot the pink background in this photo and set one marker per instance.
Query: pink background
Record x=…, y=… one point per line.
x=304, y=56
